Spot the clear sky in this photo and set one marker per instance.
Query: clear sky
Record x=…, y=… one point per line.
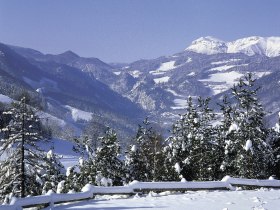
x=128, y=30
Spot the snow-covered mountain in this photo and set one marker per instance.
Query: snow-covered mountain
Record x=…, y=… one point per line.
x=160, y=86
x=65, y=91
x=208, y=45
x=254, y=45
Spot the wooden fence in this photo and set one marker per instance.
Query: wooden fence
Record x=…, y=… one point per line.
x=89, y=191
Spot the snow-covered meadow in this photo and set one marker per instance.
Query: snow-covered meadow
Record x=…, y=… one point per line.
x=195, y=200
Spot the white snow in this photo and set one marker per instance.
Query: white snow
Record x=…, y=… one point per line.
x=167, y=66
x=50, y=118
x=180, y=103
x=106, y=182
x=203, y=199
x=173, y=92
x=164, y=67
x=277, y=128
x=135, y=73
x=79, y=114
x=226, y=77
x=117, y=72
x=5, y=99
x=225, y=67
x=64, y=149
x=268, y=46
x=233, y=127
x=161, y=80
x=49, y=154
x=191, y=74
x=222, y=81
x=68, y=171
x=177, y=168
x=222, y=68
x=219, y=88
x=133, y=148
x=81, y=161
x=189, y=60
x=225, y=61
x=261, y=74
x=207, y=45
x=248, y=145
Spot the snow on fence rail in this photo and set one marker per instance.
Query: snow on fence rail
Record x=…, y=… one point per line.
x=252, y=182
x=89, y=191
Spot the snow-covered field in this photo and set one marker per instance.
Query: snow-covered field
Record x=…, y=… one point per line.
x=78, y=114
x=167, y=66
x=161, y=80
x=261, y=199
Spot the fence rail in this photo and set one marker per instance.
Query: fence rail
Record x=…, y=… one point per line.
x=89, y=191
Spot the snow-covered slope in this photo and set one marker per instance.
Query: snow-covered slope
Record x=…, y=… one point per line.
x=254, y=45
x=208, y=45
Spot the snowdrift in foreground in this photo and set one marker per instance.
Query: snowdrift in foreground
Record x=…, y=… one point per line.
x=88, y=191
x=215, y=200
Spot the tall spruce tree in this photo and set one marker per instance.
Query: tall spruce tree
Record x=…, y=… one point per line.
x=86, y=147
x=274, y=142
x=23, y=163
x=247, y=152
x=54, y=172
x=144, y=159
x=222, y=139
x=193, y=141
x=107, y=159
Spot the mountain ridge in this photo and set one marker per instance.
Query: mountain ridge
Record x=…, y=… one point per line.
x=253, y=45
x=160, y=86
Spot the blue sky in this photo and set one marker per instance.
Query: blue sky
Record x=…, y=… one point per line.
x=128, y=30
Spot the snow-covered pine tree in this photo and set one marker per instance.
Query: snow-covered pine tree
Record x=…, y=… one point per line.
x=23, y=163
x=181, y=141
x=248, y=153
x=274, y=142
x=170, y=173
x=85, y=146
x=204, y=154
x=107, y=159
x=193, y=141
x=144, y=159
x=54, y=172
x=224, y=160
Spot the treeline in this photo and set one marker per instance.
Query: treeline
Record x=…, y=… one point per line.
x=203, y=146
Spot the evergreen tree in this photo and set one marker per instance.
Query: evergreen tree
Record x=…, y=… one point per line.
x=222, y=140
x=193, y=142
x=54, y=172
x=107, y=160
x=169, y=172
x=247, y=152
x=205, y=152
x=274, y=142
x=24, y=163
x=144, y=159
x=85, y=146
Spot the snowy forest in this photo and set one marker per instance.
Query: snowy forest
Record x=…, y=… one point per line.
x=203, y=146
